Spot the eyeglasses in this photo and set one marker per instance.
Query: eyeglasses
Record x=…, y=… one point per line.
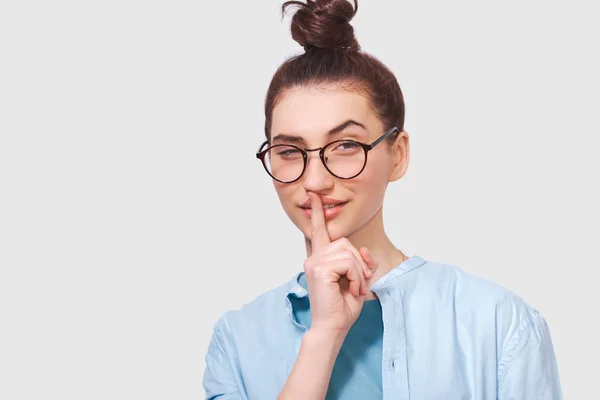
x=344, y=159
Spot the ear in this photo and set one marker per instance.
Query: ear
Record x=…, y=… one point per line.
x=401, y=153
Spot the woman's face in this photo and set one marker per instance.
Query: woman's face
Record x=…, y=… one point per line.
x=304, y=117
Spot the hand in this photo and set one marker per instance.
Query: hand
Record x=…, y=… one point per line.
x=337, y=275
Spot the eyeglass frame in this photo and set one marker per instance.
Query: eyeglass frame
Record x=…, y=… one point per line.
x=260, y=154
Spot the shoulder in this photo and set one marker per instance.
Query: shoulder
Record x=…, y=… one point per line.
x=451, y=282
x=484, y=318
x=495, y=308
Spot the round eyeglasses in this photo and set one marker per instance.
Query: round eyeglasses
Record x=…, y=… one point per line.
x=344, y=159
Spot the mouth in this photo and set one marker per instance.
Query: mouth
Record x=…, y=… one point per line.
x=330, y=210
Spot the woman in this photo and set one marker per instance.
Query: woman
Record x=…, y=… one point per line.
x=363, y=320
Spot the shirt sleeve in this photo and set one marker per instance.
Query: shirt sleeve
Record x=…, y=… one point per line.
x=219, y=380
x=527, y=369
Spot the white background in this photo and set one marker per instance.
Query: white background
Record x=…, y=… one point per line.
x=133, y=212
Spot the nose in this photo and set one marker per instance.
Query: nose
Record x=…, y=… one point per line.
x=316, y=177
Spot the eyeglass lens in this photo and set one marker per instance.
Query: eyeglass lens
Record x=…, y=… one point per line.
x=344, y=159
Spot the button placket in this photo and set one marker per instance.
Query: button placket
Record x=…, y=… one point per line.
x=395, y=383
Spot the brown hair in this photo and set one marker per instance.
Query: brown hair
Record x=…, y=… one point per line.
x=332, y=55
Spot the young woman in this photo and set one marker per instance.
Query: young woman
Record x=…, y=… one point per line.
x=363, y=320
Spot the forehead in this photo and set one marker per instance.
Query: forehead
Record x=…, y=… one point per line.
x=312, y=111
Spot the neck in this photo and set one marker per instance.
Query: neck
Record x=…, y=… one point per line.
x=372, y=236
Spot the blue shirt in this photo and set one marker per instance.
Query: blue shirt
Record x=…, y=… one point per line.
x=447, y=335
x=357, y=370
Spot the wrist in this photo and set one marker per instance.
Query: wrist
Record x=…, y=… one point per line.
x=325, y=339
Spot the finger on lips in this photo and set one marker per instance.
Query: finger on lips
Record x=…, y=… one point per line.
x=356, y=267
x=320, y=236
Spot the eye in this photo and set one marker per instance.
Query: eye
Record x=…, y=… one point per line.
x=288, y=152
x=346, y=147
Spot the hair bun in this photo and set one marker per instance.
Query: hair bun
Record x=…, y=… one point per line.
x=324, y=24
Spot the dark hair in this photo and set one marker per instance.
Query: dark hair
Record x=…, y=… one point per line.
x=332, y=55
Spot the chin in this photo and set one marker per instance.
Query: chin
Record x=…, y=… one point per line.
x=335, y=229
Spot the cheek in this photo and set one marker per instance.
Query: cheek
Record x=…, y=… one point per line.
x=289, y=197
x=370, y=186
x=374, y=179
x=286, y=196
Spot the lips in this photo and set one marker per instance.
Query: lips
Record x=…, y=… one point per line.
x=331, y=207
x=327, y=202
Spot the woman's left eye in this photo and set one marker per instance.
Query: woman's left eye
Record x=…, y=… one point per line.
x=347, y=146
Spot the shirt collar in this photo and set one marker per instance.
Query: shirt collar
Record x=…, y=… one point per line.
x=294, y=289
x=388, y=279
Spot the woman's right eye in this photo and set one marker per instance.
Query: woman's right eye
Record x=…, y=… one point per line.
x=288, y=153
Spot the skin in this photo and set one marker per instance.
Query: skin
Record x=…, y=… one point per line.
x=347, y=252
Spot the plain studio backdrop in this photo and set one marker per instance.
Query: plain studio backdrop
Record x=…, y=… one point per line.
x=133, y=211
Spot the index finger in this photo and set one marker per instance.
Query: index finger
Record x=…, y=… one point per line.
x=319, y=236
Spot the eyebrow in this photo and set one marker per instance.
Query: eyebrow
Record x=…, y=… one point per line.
x=298, y=139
